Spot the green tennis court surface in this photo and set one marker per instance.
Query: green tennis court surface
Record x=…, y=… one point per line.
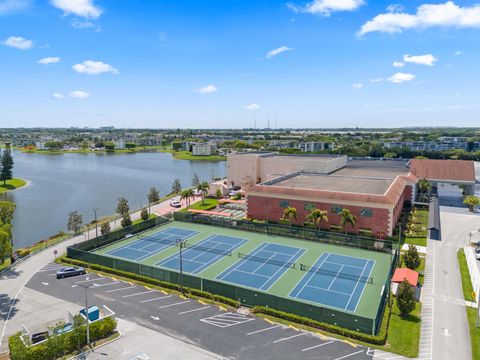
x=337, y=277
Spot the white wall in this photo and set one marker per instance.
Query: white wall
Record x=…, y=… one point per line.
x=473, y=269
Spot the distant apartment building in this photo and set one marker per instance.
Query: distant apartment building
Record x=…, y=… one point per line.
x=313, y=146
x=120, y=144
x=40, y=145
x=281, y=144
x=204, y=149
x=444, y=143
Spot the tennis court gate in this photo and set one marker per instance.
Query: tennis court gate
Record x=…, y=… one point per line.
x=246, y=297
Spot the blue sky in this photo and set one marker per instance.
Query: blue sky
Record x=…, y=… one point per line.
x=219, y=63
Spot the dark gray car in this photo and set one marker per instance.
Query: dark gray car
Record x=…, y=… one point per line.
x=70, y=271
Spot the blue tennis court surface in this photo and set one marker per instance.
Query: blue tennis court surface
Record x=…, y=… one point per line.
x=199, y=256
x=152, y=244
x=263, y=266
x=335, y=280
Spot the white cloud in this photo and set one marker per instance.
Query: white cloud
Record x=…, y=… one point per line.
x=394, y=8
x=376, y=80
x=278, y=51
x=428, y=59
x=82, y=8
x=9, y=6
x=207, y=89
x=357, y=86
x=18, y=42
x=49, y=60
x=91, y=67
x=326, y=7
x=428, y=15
x=78, y=94
x=79, y=24
x=458, y=52
x=252, y=106
x=399, y=78
x=58, y=96
x=398, y=64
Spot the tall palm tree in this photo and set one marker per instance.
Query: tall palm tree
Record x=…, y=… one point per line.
x=316, y=216
x=346, y=217
x=187, y=194
x=203, y=189
x=289, y=214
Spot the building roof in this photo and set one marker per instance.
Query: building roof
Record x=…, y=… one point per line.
x=448, y=170
x=405, y=273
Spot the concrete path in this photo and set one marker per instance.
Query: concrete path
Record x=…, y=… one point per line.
x=451, y=338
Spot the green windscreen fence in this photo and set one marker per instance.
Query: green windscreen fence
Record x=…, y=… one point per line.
x=246, y=297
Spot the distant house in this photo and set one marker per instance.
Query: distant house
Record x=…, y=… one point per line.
x=120, y=144
x=204, y=149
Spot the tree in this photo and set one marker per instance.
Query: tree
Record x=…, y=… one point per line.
x=411, y=258
x=109, y=146
x=7, y=208
x=75, y=221
x=218, y=194
x=122, y=206
x=405, y=298
x=84, y=145
x=5, y=243
x=424, y=186
x=130, y=146
x=6, y=172
x=289, y=214
x=203, y=189
x=153, y=195
x=195, y=180
x=317, y=216
x=53, y=145
x=346, y=217
x=187, y=194
x=126, y=220
x=176, y=186
x=105, y=228
x=144, y=214
x=471, y=201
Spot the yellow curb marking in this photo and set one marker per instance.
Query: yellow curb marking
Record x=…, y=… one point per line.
x=323, y=337
x=222, y=308
x=268, y=320
x=293, y=327
x=201, y=302
x=349, y=343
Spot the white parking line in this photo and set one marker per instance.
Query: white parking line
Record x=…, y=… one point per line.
x=89, y=280
x=189, y=311
x=140, y=293
x=157, y=298
x=317, y=346
x=174, y=304
x=345, y=356
x=262, y=330
x=109, y=284
x=124, y=288
x=288, y=338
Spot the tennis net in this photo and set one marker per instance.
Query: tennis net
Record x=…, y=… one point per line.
x=168, y=241
x=267, y=261
x=207, y=249
x=319, y=270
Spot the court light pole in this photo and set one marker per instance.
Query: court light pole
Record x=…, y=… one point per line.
x=96, y=223
x=181, y=245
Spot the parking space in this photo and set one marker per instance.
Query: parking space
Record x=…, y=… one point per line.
x=227, y=333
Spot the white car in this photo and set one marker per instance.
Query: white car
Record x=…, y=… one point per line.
x=477, y=256
x=175, y=203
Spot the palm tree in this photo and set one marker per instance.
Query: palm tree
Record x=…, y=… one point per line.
x=203, y=189
x=289, y=214
x=187, y=194
x=316, y=216
x=424, y=186
x=346, y=217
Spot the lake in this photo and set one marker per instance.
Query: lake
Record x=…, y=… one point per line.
x=62, y=183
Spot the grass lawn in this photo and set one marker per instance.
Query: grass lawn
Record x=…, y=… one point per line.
x=208, y=204
x=466, y=282
x=404, y=333
x=138, y=221
x=418, y=234
x=474, y=333
x=12, y=185
x=41, y=244
x=187, y=155
x=420, y=269
x=5, y=264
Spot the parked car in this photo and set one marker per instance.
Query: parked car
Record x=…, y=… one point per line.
x=70, y=271
x=477, y=250
x=477, y=256
x=175, y=203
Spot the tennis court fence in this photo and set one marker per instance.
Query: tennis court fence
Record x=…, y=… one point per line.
x=247, y=297
x=274, y=229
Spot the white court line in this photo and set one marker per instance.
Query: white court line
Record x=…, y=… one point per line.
x=157, y=298
x=174, y=304
x=293, y=256
x=262, y=330
x=336, y=276
x=345, y=356
x=140, y=293
x=288, y=338
x=193, y=310
x=356, y=285
x=311, y=274
x=317, y=346
x=124, y=288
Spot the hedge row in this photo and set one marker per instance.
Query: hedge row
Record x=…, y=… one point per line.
x=380, y=339
x=148, y=280
x=60, y=345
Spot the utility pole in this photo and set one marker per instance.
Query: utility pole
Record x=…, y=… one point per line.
x=96, y=223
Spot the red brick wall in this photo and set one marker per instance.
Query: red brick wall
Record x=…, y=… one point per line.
x=408, y=193
x=265, y=208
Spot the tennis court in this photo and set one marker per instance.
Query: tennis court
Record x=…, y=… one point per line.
x=152, y=244
x=197, y=257
x=261, y=268
x=335, y=280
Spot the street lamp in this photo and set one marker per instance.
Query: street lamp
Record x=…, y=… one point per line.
x=86, y=286
x=96, y=223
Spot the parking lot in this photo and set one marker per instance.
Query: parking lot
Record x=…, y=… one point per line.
x=230, y=334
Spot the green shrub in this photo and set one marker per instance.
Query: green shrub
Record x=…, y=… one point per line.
x=152, y=281
x=371, y=339
x=23, y=252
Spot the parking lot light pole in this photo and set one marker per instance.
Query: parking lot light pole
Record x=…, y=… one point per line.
x=86, y=286
x=96, y=223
